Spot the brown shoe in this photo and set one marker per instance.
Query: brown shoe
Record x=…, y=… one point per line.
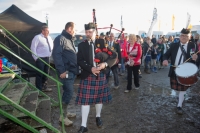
x=66, y=121
x=71, y=115
x=146, y=71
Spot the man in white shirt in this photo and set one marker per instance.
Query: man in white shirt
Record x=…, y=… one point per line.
x=116, y=47
x=178, y=57
x=42, y=46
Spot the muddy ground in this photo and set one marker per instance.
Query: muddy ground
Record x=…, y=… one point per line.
x=151, y=109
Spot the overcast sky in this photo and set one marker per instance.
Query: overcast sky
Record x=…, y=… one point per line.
x=137, y=14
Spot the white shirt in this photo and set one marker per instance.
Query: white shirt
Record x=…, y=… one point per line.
x=40, y=47
x=94, y=64
x=179, y=54
x=110, y=43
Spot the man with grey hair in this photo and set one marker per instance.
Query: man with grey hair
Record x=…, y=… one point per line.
x=178, y=53
x=116, y=47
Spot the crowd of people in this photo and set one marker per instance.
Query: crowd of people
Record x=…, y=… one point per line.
x=123, y=56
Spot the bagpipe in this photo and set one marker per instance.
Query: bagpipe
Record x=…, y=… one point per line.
x=104, y=53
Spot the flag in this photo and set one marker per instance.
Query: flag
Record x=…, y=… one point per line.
x=190, y=26
x=173, y=19
x=188, y=21
x=154, y=20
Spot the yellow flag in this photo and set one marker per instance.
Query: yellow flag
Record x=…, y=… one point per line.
x=173, y=19
x=190, y=26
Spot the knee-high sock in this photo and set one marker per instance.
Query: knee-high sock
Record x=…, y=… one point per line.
x=85, y=109
x=98, y=109
x=181, y=98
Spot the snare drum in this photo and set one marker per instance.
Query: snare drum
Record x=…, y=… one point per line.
x=186, y=74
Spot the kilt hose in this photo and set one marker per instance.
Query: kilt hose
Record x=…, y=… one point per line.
x=93, y=90
x=176, y=86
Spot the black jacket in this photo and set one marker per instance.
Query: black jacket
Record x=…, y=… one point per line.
x=64, y=54
x=145, y=49
x=172, y=52
x=118, y=50
x=153, y=51
x=84, y=60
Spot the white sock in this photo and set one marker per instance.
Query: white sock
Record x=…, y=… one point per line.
x=98, y=109
x=181, y=98
x=85, y=109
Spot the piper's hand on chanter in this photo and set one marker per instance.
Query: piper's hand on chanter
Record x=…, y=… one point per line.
x=95, y=70
x=194, y=57
x=165, y=63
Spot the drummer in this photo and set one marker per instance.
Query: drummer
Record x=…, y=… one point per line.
x=177, y=53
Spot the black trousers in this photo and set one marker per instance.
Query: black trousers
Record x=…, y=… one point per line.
x=115, y=75
x=161, y=59
x=41, y=80
x=133, y=70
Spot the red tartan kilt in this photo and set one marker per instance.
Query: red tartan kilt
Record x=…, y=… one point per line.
x=93, y=90
x=176, y=86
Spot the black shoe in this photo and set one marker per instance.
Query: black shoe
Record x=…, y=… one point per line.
x=82, y=129
x=99, y=122
x=179, y=110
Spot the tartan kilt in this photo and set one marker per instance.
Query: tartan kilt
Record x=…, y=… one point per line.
x=93, y=90
x=176, y=86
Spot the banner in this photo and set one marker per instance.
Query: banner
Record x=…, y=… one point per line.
x=154, y=20
x=188, y=20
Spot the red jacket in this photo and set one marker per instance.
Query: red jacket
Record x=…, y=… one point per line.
x=135, y=53
x=123, y=47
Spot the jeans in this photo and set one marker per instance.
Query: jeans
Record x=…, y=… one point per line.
x=122, y=69
x=115, y=74
x=40, y=78
x=68, y=87
x=158, y=57
x=134, y=70
x=147, y=62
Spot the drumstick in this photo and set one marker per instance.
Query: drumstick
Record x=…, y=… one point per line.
x=174, y=66
x=191, y=57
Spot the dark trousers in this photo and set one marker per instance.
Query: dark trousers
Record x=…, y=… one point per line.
x=115, y=75
x=133, y=70
x=161, y=59
x=41, y=80
x=147, y=62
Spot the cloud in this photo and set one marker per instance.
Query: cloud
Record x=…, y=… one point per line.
x=30, y=5
x=40, y=4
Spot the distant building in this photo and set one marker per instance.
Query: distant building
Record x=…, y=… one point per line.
x=195, y=29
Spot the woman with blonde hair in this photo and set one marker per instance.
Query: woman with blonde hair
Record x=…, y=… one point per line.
x=134, y=52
